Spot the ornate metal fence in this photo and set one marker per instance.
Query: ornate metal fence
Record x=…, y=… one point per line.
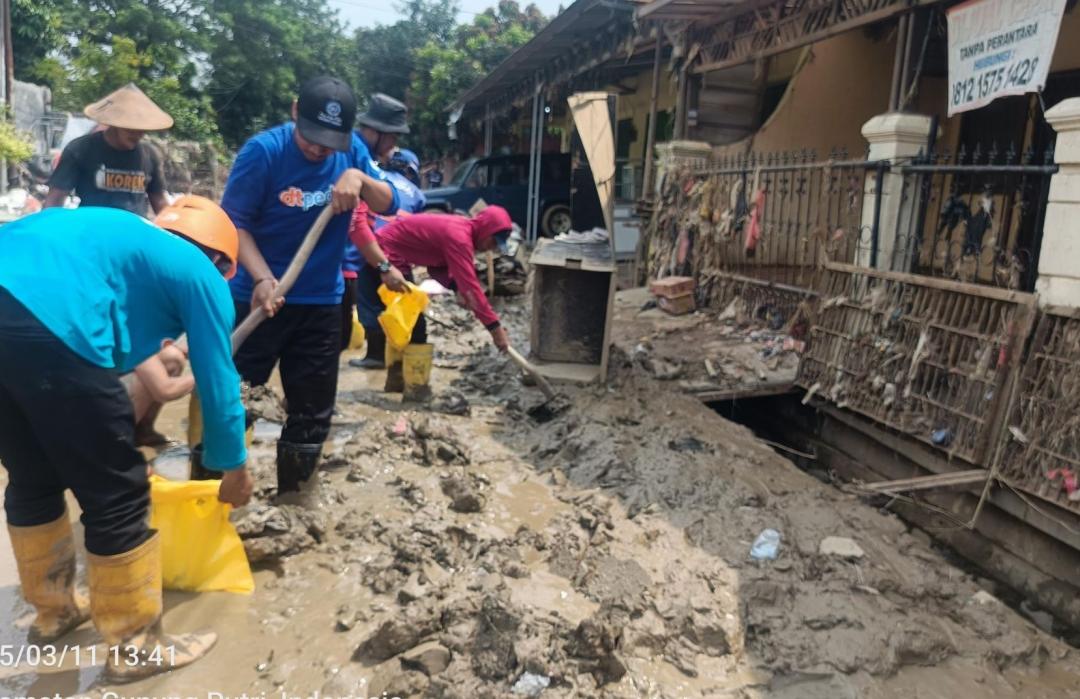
x=775, y=218
x=926, y=357
x=974, y=216
x=1040, y=450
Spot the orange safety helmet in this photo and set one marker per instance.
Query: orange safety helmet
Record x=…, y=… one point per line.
x=205, y=223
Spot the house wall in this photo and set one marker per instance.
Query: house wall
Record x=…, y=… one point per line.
x=836, y=86
x=635, y=105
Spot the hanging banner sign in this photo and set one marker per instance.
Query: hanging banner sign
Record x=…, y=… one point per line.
x=998, y=48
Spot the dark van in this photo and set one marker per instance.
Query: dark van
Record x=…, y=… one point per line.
x=504, y=180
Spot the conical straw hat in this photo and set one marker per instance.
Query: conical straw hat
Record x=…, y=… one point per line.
x=129, y=108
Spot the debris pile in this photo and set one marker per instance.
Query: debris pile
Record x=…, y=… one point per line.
x=605, y=553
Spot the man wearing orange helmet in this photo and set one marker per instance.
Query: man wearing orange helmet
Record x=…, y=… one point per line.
x=66, y=421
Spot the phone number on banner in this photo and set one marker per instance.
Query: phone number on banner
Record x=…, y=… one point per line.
x=1007, y=77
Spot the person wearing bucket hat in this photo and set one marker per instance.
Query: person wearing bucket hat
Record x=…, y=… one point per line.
x=361, y=268
x=114, y=167
x=66, y=422
x=380, y=125
x=280, y=182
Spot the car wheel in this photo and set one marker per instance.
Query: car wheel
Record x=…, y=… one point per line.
x=556, y=220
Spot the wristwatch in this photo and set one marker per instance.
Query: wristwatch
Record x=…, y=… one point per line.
x=384, y=267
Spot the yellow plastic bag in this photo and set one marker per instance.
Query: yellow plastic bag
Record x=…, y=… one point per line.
x=356, y=339
x=402, y=312
x=200, y=549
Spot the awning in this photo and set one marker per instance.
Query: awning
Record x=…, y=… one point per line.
x=584, y=36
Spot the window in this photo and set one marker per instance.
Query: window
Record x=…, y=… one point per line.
x=462, y=172
x=478, y=177
x=508, y=173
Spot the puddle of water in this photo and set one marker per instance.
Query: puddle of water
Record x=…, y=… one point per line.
x=526, y=502
x=266, y=431
x=174, y=463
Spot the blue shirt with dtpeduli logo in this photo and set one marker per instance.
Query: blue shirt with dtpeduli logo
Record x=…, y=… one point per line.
x=275, y=194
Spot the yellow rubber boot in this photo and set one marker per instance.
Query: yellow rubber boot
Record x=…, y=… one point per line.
x=416, y=369
x=45, y=557
x=395, y=381
x=125, y=603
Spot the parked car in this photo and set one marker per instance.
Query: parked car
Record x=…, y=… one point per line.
x=504, y=180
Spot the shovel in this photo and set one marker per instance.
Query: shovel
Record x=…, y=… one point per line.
x=554, y=403
x=258, y=315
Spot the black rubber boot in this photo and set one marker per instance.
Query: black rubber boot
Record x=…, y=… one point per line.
x=297, y=480
x=200, y=472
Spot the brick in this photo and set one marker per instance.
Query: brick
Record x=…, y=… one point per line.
x=676, y=305
x=670, y=287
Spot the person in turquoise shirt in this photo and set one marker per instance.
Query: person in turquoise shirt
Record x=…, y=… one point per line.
x=86, y=295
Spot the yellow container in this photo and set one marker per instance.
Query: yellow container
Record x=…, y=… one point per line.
x=200, y=549
x=356, y=339
x=416, y=368
x=402, y=312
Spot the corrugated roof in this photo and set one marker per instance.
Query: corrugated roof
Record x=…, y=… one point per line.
x=584, y=29
x=690, y=10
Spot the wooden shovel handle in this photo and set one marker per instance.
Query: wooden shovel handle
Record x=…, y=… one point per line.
x=543, y=383
x=292, y=272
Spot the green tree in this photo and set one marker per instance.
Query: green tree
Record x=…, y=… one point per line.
x=442, y=71
x=35, y=34
x=262, y=51
x=385, y=53
x=85, y=49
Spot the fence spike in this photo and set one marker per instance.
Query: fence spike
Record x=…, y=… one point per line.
x=992, y=154
x=976, y=154
x=961, y=155
x=1010, y=154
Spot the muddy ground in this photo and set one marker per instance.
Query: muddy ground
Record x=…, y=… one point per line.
x=739, y=351
x=465, y=550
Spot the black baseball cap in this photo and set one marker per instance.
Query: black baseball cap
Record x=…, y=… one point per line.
x=325, y=111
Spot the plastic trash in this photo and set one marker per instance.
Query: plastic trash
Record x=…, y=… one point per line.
x=766, y=546
x=431, y=287
x=530, y=685
x=402, y=312
x=200, y=549
x=942, y=437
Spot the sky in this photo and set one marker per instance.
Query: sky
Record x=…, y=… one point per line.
x=368, y=13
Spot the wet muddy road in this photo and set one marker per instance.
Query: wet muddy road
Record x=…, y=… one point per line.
x=602, y=554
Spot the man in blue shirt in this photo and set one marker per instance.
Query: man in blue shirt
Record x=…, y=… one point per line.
x=379, y=128
x=281, y=180
x=66, y=421
x=410, y=201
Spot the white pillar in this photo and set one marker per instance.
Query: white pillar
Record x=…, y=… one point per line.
x=679, y=153
x=895, y=137
x=1058, y=283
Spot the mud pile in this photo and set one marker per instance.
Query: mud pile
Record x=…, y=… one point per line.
x=892, y=602
x=605, y=553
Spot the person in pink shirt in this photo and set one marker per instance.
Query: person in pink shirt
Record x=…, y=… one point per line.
x=446, y=245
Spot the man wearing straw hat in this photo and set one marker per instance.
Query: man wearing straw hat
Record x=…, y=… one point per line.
x=113, y=167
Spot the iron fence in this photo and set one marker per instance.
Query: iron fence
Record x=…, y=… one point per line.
x=774, y=217
x=974, y=216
